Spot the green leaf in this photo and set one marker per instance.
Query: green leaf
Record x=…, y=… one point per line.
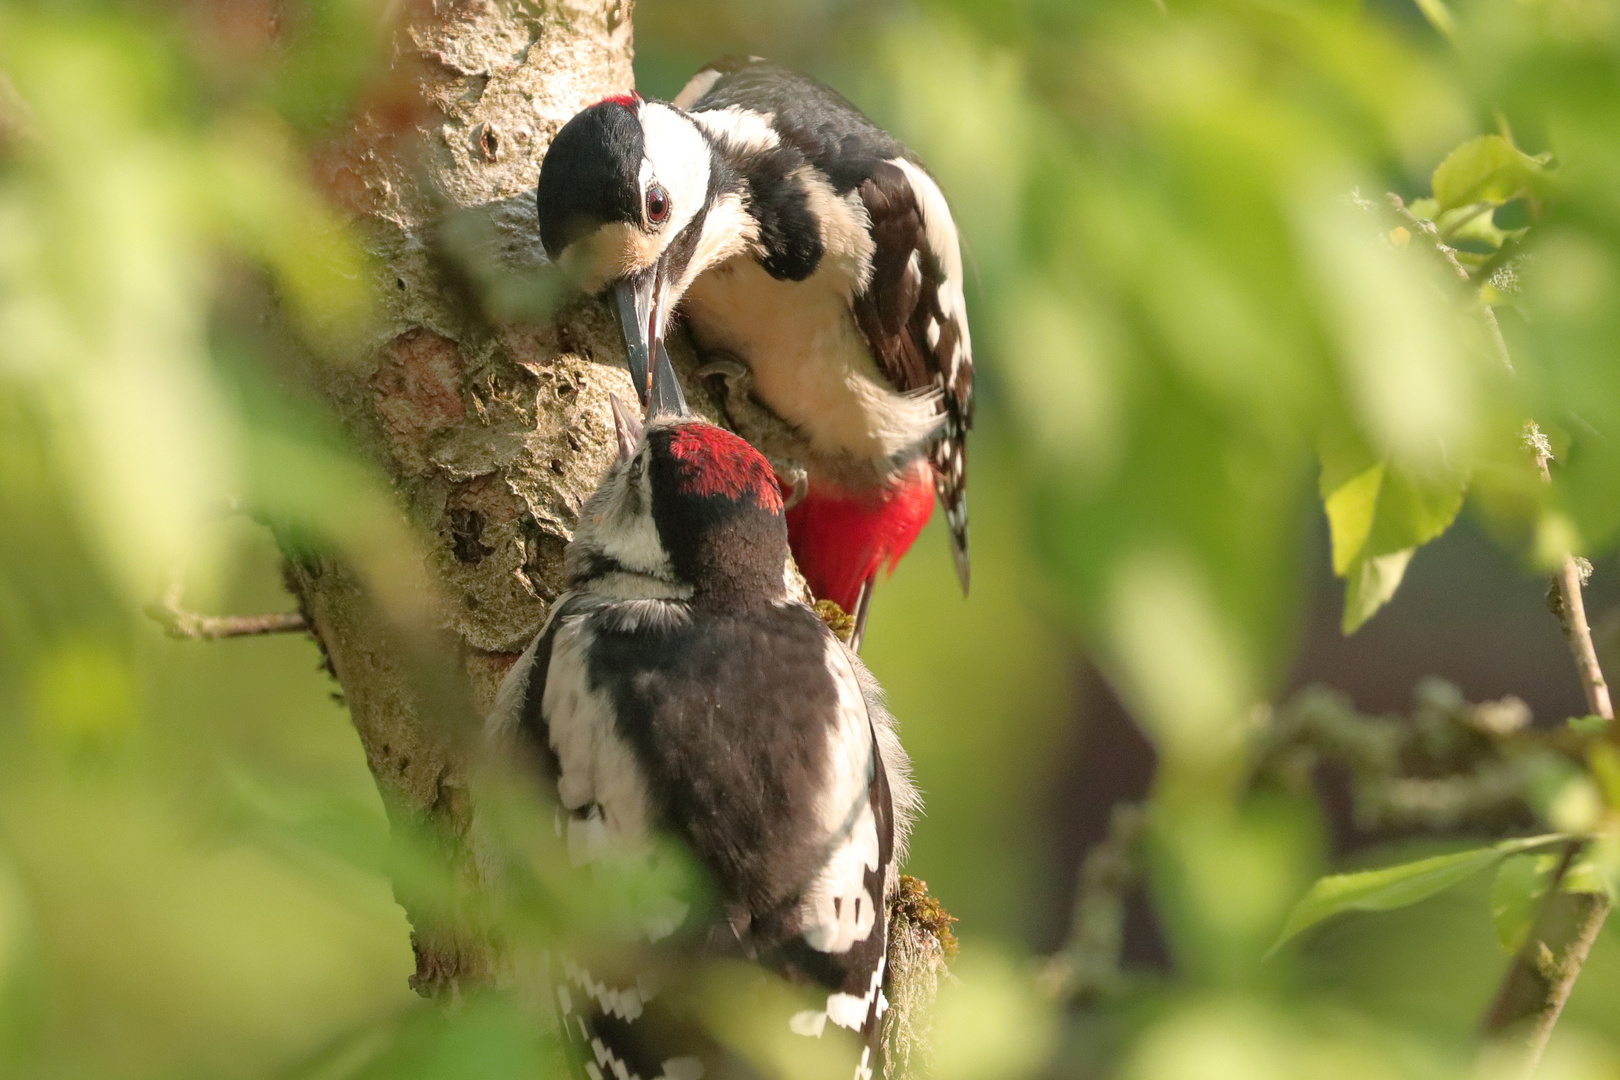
x=1521, y=882
x=1378, y=515
x=1398, y=886
x=1350, y=507
x=1473, y=225
x=1591, y=725
x=1602, y=759
x=1489, y=169
x=1370, y=585
x=1587, y=875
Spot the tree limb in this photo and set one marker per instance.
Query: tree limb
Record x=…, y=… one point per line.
x=1538, y=982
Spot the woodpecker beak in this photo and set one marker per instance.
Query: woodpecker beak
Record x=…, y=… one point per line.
x=642, y=311
x=626, y=426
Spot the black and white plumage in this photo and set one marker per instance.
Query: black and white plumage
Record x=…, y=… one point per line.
x=677, y=686
x=817, y=265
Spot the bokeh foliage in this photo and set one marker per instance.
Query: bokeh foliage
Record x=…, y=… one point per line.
x=1199, y=324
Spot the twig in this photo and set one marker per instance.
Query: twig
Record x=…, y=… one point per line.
x=1570, y=607
x=1538, y=982
x=178, y=622
x=1450, y=766
x=1087, y=966
x=1449, y=253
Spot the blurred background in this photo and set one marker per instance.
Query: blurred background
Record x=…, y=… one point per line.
x=1189, y=298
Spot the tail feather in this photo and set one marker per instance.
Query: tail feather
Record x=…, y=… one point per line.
x=949, y=458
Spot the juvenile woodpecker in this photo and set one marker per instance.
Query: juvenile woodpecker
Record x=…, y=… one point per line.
x=816, y=263
x=678, y=686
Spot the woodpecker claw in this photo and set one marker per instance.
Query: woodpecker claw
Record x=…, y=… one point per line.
x=726, y=368
x=801, y=485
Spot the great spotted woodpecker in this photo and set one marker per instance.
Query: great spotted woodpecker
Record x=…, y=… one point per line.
x=678, y=685
x=817, y=265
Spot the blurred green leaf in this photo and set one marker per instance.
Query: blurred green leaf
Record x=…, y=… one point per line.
x=1398, y=886
x=1439, y=16
x=1521, y=882
x=1488, y=169
x=1588, y=874
x=1603, y=758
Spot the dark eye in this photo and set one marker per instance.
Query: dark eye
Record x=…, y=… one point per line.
x=657, y=204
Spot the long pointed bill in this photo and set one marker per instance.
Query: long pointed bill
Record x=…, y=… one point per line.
x=626, y=426
x=641, y=315
x=633, y=297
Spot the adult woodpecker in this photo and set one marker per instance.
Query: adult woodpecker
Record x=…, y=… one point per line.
x=816, y=263
x=678, y=685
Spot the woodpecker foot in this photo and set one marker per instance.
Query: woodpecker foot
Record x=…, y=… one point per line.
x=727, y=368
x=798, y=481
x=840, y=622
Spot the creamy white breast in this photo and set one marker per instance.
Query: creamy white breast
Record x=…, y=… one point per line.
x=811, y=364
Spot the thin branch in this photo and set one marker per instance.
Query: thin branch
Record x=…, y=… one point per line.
x=1538, y=982
x=1427, y=228
x=1087, y=966
x=178, y=622
x=1568, y=603
x=1567, y=582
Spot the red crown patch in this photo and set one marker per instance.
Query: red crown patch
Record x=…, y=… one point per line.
x=631, y=101
x=718, y=463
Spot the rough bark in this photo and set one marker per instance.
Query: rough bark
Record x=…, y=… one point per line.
x=492, y=430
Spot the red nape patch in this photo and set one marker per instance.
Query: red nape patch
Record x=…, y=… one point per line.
x=841, y=538
x=631, y=101
x=719, y=463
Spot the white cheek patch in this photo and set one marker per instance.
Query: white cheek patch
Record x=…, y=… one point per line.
x=627, y=533
x=677, y=156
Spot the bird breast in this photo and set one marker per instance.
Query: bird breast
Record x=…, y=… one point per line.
x=810, y=363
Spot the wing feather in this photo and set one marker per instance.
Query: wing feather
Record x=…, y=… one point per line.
x=914, y=317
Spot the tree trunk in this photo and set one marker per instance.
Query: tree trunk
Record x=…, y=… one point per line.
x=492, y=430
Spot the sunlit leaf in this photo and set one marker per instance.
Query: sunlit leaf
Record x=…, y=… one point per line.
x=1399, y=886
x=1369, y=585
x=1378, y=515
x=1489, y=169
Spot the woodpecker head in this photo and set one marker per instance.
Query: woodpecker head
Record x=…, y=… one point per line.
x=624, y=197
x=687, y=510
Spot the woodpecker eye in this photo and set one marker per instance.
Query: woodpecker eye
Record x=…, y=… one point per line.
x=657, y=204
